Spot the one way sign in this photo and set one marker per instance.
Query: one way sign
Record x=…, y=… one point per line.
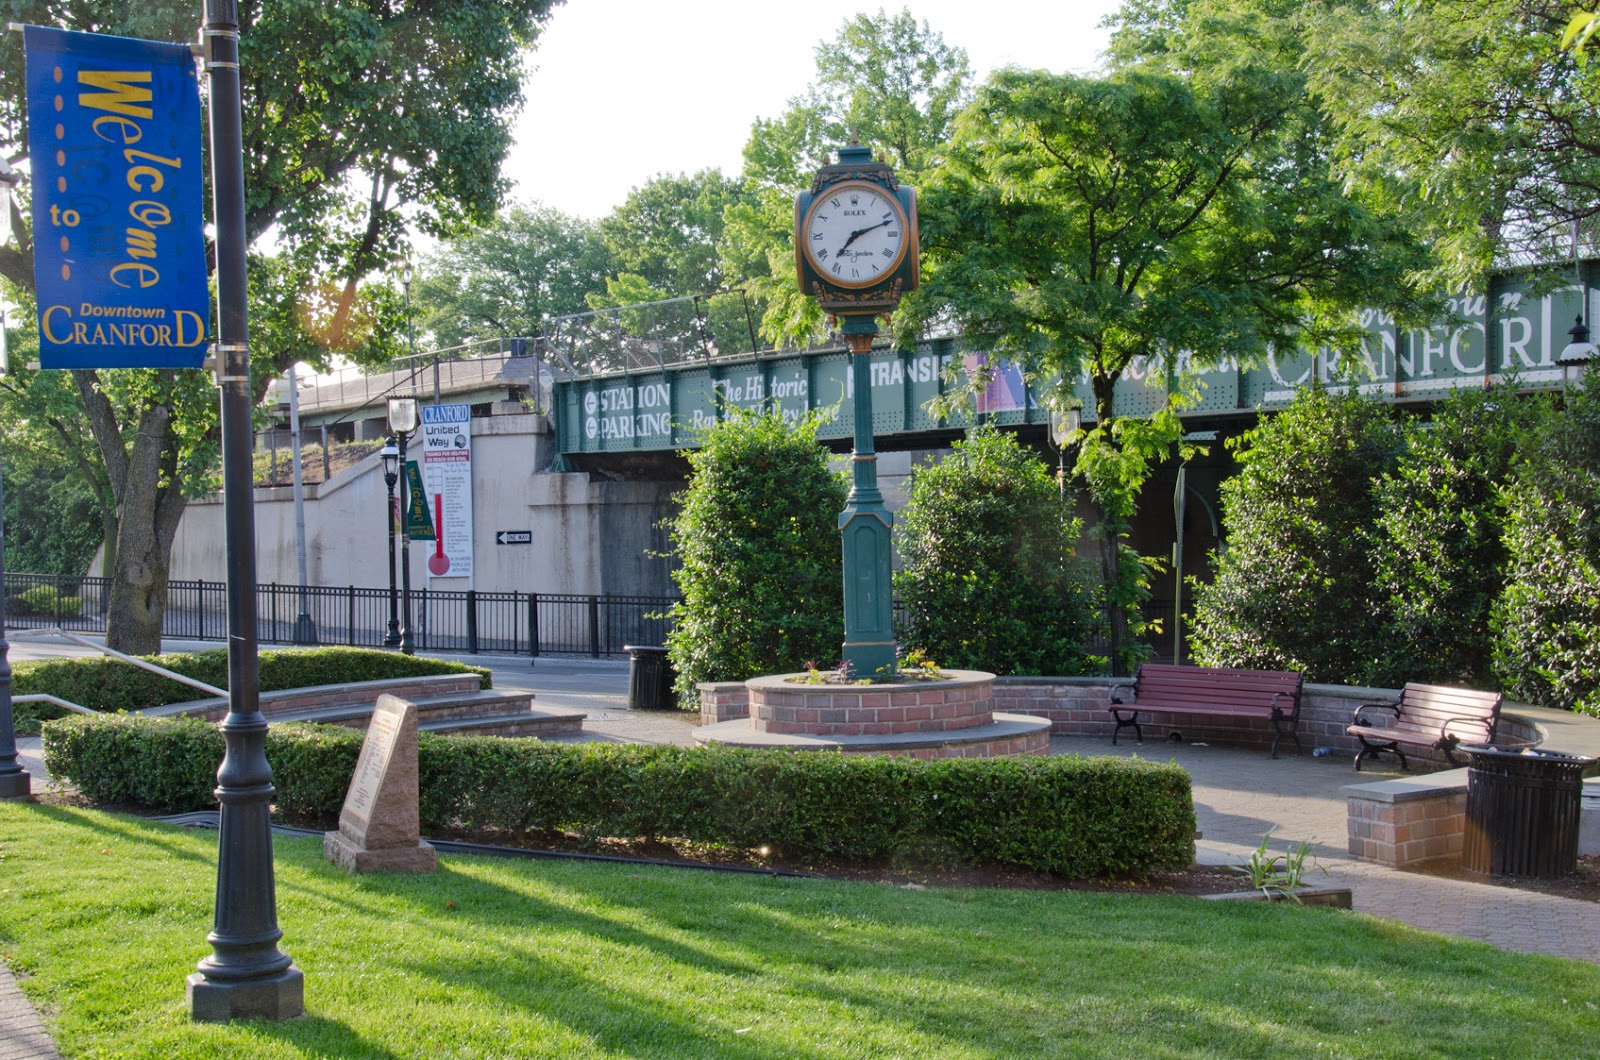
x=513, y=537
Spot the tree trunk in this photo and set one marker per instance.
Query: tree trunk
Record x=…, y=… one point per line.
x=149, y=504
x=108, y=555
x=138, y=596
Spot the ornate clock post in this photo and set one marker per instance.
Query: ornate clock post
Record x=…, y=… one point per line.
x=856, y=253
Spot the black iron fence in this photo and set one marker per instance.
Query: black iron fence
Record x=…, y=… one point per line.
x=504, y=623
x=470, y=621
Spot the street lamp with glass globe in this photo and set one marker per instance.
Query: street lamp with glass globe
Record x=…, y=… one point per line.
x=402, y=421
x=1576, y=355
x=391, y=474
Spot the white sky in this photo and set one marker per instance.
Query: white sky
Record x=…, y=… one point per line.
x=627, y=89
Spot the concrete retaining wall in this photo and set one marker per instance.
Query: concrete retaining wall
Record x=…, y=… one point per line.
x=1077, y=706
x=589, y=535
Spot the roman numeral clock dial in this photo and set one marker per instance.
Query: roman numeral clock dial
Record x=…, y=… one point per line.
x=854, y=234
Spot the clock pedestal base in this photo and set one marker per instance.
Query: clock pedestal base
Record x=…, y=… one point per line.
x=864, y=527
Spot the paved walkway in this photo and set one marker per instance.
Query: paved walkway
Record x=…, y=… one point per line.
x=1239, y=795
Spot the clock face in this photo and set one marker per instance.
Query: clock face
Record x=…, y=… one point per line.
x=855, y=234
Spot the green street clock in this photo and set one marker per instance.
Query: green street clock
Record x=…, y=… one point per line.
x=855, y=250
x=856, y=236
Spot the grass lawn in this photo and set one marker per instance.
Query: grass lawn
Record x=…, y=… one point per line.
x=103, y=916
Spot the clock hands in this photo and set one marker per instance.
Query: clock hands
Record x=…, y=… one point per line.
x=858, y=233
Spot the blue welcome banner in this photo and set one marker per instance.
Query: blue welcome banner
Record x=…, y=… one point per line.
x=114, y=138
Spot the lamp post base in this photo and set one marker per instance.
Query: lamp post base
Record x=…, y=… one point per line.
x=18, y=785
x=278, y=997
x=305, y=630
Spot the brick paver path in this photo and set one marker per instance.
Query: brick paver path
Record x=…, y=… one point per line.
x=22, y=1036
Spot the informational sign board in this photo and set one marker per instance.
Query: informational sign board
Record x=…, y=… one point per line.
x=447, y=470
x=114, y=137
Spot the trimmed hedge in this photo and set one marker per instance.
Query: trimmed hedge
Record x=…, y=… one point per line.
x=45, y=600
x=1075, y=817
x=112, y=685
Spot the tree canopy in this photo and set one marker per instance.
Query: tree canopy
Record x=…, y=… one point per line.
x=530, y=263
x=1182, y=208
x=887, y=80
x=1470, y=116
x=360, y=119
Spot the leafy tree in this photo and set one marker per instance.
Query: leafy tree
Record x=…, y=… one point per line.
x=758, y=543
x=530, y=263
x=360, y=119
x=988, y=577
x=1295, y=588
x=888, y=80
x=1468, y=115
x=57, y=496
x=1181, y=208
x=1437, y=545
x=666, y=241
x=668, y=229
x=1545, y=648
x=52, y=519
x=52, y=511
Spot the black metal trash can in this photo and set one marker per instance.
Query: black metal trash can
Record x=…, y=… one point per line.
x=650, y=678
x=1522, y=812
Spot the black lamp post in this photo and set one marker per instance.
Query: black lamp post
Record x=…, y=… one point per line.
x=391, y=475
x=15, y=782
x=402, y=421
x=246, y=975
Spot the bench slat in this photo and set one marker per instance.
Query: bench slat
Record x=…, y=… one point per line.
x=1215, y=689
x=1447, y=703
x=1222, y=691
x=1429, y=716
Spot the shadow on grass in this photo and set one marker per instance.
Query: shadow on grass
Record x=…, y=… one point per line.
x=140, y=830
x=326, y=1037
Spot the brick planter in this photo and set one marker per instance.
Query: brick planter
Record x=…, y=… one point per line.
x=780, y=705
x=954, y=718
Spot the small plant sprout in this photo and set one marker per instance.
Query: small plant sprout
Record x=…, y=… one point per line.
x=1280, y=873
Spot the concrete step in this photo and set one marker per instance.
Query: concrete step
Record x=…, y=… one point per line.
x=291, y=701
x=535, y=721
x=486, y=713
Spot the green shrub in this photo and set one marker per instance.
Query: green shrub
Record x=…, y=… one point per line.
x=990, y=579
x=1437, y=547
x=163, y=764
x=1066, y=815
x=1546, y=649
x=112, y=685
x=1295, y=588
x=757, y=540
x=45, y=600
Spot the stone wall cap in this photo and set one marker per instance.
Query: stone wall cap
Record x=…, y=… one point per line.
x=957, y=679
x=737, y=733
x=377, y=688
x=1102, y=681
x=1410, y=789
